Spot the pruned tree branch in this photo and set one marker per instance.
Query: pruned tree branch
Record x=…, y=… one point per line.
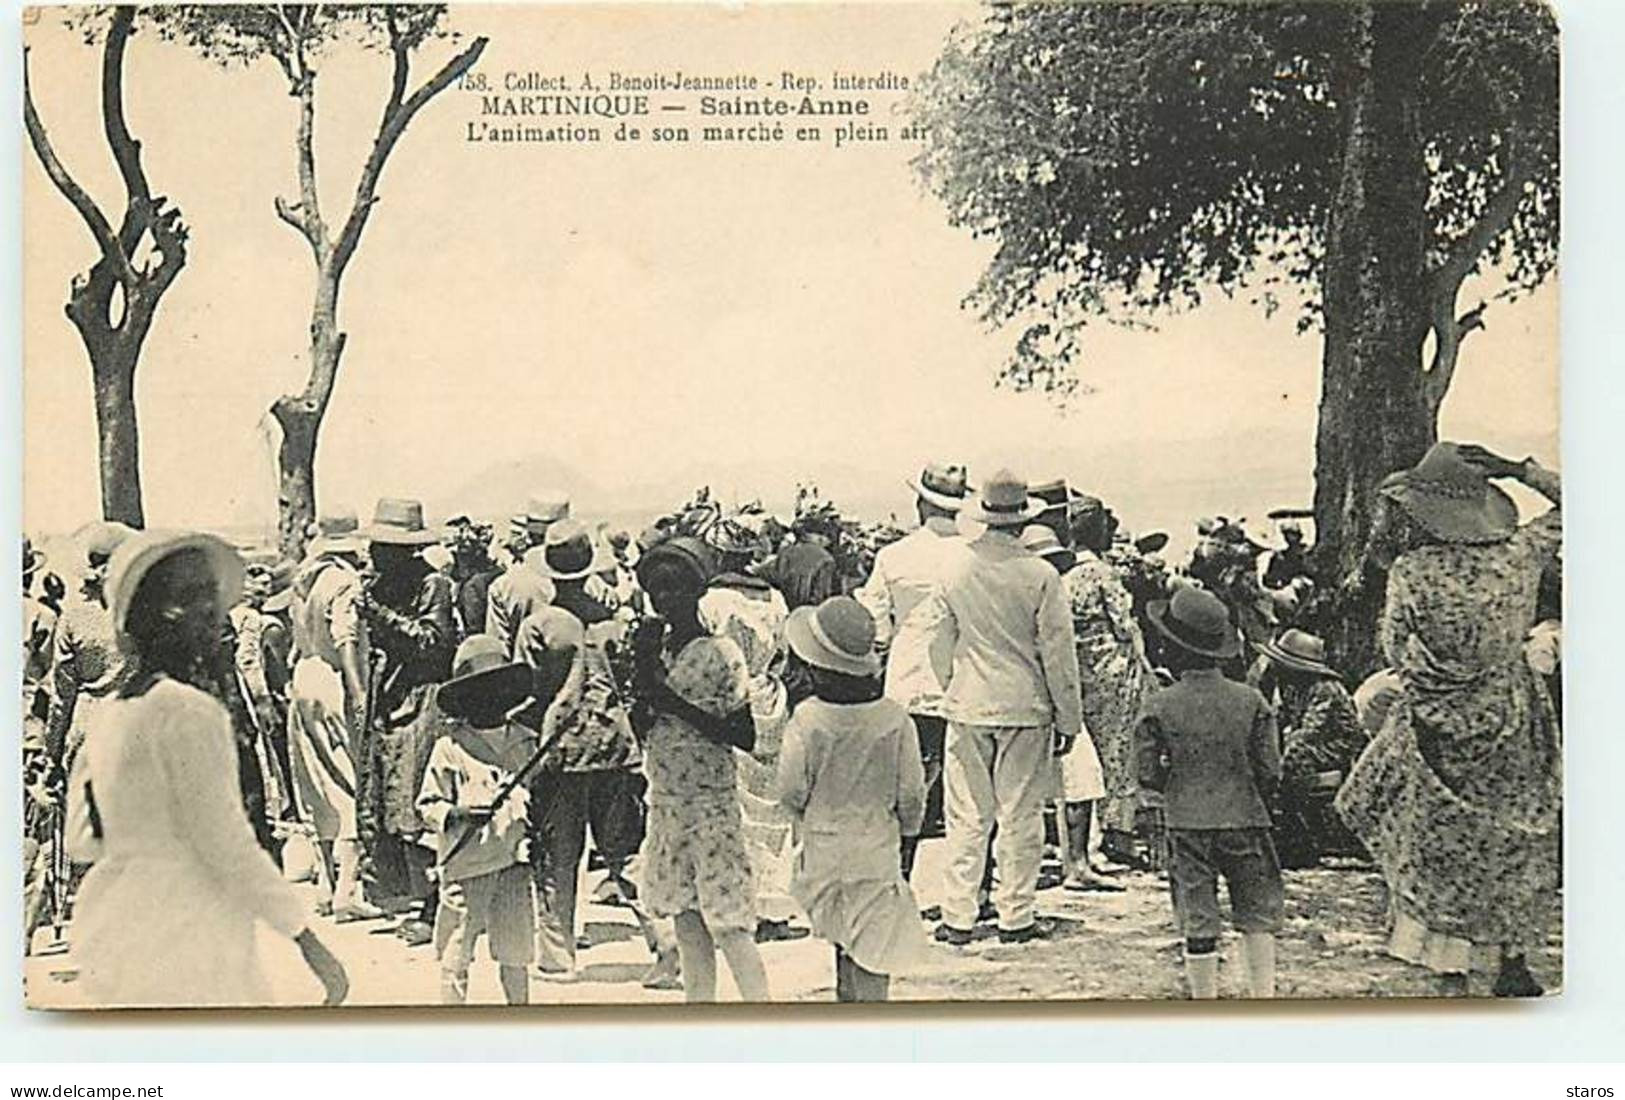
x=77, y=196
x=289, y=212
x=397, y=114
x=1448, y=333
x=310, y=208
x=1446, y=279
x=126, y=149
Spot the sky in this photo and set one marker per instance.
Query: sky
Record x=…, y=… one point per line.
x=629, y=322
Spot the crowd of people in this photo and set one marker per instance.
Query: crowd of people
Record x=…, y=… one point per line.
x=756, y=721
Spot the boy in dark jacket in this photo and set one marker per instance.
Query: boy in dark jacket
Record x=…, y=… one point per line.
x=1209, y=744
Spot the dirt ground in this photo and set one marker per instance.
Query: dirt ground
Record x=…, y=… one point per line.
x=1107, y=947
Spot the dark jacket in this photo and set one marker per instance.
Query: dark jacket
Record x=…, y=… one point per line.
x=1209, y=744
x=568, y=646
x=416, y=642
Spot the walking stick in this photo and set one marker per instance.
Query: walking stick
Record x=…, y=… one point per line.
x=507, y=789
x=58, y=870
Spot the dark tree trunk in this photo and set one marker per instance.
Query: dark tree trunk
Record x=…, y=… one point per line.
x=112, y=304
x=296, y=473
x=1374, y=416
x=118, y=441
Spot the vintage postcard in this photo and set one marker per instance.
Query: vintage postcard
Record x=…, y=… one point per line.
x=658, y=503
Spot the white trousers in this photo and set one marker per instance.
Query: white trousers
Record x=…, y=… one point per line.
x=995, y=774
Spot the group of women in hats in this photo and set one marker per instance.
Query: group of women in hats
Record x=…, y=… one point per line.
x=1456, y=797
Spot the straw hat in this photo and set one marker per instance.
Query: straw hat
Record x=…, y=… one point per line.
x=838, y=635
x=481, y=669
x=542, y=510
x=944, y=484
x=1197, y=620
x=1453, y=499
x=1301, y=651
x=338, y=532
x=1042, y=541
x=1054, y=493
x=1004, y=502
x=136, y=556
x=398, y=521
x=570, y=553
x=1151, y=542
x=102, y=538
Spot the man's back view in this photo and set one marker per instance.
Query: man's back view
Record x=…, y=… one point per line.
x=1004, y=631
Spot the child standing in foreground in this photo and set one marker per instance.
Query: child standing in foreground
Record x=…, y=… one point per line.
x=851, y=778
x=485, y=880
x=1209, y=744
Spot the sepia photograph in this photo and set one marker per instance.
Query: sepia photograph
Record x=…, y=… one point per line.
x=653, y=504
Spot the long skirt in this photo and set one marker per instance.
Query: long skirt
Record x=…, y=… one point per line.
x=1470, y=854
x=1114, y=687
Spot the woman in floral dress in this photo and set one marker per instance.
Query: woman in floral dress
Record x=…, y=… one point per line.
x=1115, y=674
x=695, y=690
x=752, y=614
x=1458, y=797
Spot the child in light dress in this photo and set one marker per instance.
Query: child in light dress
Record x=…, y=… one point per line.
x=850, y=776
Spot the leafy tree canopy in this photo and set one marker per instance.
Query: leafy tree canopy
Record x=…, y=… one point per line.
x=1127, y=157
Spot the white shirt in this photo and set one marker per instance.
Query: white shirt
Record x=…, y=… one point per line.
x=905, y=574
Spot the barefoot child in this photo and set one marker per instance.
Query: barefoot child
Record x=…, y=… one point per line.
x=485, y=881
x=850, y=776
x=1209, y=744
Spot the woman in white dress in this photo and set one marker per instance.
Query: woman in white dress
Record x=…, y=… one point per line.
x=167, y=915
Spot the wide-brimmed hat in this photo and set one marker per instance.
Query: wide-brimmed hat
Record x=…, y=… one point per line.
x=337, y=532
x=136, y=556
x=1151, y=542
x=838, y=635
x=542, y=510
x=943, y=484
x=481, y=669
x=1197, y=620
x=398, y=521
x=570, y=553
x=101, y=538
x=1054, y=493
x=1043, y=541
x=1453, y=499
x=1301, y=651
x=1004, y=502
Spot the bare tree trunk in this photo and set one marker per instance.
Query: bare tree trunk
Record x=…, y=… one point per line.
x=1374, y=415
x=301, y=414
x=118, y=439
x=113, y=280
x=296, y=473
